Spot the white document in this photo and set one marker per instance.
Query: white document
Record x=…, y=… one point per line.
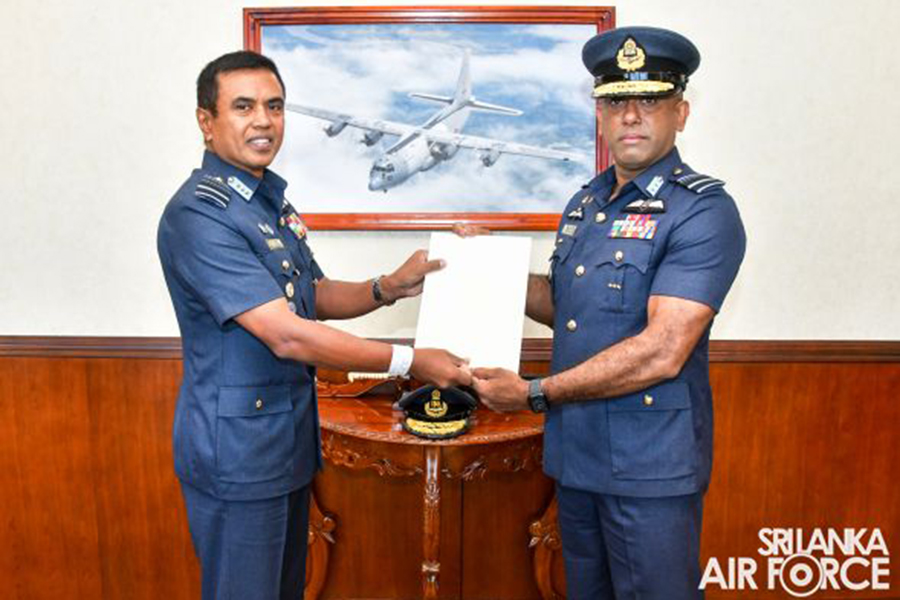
x=475, y=306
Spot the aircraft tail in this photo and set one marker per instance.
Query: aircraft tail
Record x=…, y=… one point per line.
x=463, y=96
x=464, y=84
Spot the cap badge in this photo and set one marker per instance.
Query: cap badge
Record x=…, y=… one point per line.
x=436, y=407
x=630, y=56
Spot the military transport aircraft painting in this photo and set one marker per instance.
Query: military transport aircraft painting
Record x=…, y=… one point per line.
x=438, y=139
x=441, y=117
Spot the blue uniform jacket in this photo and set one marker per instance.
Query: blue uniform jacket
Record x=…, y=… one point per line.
x=609, y=259
x=246, y=422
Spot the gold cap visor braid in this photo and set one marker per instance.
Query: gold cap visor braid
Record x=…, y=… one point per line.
x=633, y=88
x=435, y=430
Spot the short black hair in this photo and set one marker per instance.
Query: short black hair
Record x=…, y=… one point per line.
x=208, y=86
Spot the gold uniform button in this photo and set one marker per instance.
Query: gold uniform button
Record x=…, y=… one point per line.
x=259, y=404
x=678, y=171
x=281, y=222
x=571, y=325
x=619, y=256
x=285, y=265
x=648, y=400
x=601, y=217
x=289, y=290
x=579, y=270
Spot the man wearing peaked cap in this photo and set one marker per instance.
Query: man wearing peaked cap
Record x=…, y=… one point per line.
x=640, y=62
x=644, y=257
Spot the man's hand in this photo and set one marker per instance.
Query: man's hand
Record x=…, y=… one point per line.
x=440, y=368
x=465, y=230
x=408, y=280
x=501, y=390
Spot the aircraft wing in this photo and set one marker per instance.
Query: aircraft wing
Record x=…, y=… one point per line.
x=474, y=142
x=342, y=120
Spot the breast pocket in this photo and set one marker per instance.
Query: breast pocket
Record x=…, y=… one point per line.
x=559, y=257
x=254, y=433
x=651, y=434
x=623, y=267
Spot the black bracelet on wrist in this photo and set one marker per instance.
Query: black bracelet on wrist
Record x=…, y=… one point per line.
x=377, y=293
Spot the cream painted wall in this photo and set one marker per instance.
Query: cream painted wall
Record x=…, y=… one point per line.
x=792, y=106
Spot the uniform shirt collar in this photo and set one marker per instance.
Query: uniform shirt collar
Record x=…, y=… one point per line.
x=216, y=166
x=662, y=169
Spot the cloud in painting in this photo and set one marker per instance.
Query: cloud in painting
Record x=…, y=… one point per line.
x=369, y=71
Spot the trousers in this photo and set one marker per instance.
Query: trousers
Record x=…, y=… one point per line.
x=249, y=550
x=628, y=548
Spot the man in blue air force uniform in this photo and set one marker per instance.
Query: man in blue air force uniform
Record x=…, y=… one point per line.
x=247, y=292
x=645, y=255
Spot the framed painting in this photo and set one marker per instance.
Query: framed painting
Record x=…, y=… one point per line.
x=420, y=117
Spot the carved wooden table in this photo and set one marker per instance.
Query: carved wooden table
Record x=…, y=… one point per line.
x=396, y=516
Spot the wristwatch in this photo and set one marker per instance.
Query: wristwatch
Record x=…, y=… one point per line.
x=377, y=293
x=536, y=398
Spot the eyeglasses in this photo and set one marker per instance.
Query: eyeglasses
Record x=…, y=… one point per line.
x=616, y=106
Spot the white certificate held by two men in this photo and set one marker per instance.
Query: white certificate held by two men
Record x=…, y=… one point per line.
x=475, y=306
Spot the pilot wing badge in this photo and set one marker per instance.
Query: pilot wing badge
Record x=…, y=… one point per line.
x=645, y=206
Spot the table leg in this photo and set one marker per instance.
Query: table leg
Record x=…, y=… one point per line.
x=431, y=565
x=321, y=527
x=546, y=542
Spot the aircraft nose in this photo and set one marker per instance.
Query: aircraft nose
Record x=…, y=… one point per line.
x=375, y=183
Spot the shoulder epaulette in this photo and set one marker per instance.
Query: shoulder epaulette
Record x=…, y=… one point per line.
x=699, y=183
x=214, y=191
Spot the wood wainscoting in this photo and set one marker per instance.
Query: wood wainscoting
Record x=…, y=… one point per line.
x=806, y=437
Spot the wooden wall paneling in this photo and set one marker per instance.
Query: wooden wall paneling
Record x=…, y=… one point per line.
x=802, y=446
x=91, y=504
x=142, y=523
x=48, y=503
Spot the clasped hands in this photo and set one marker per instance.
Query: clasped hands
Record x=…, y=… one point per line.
x=500, y=390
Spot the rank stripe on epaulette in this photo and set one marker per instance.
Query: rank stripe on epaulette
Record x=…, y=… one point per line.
x=702, y=183
x=699, y=183
x=211, y=198
x=690, y=178
x=213, y=191
x=712, y=184
x=224, y=193
x=216, y=182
